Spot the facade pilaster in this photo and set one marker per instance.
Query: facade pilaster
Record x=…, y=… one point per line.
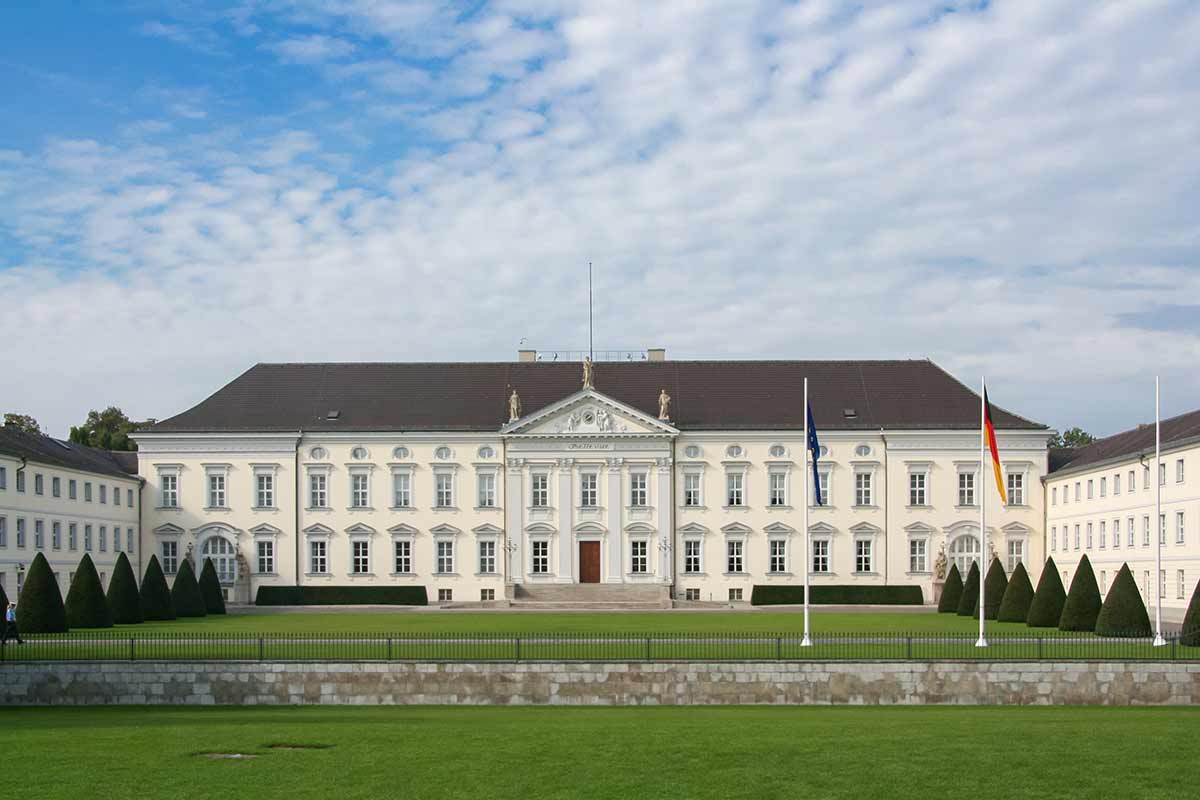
x=514, y=520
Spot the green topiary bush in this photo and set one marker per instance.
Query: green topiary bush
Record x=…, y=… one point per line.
x=86, y=605
x=210, y=589
x=123, y=599
x=993, y=589
x=185, y=593
x=1014, y=607
x=1046, y=609
x=1083, y=600
x=952, y=591
x=3, y=599
x=40, y=607
x=1190, y=632
x=1123, y=612
x=968, y=605
x=837, y=595
x=156, y=597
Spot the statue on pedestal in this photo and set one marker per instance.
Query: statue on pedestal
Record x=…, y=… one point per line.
x=588, y=369
x=514, y=406
x=664, y=403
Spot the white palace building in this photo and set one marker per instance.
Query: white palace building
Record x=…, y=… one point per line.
x=654, y=480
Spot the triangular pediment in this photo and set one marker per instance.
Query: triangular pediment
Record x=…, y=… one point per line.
x=589, y=413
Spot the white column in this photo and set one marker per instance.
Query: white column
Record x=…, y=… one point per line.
x=514, y=519
x=614, y=500
x=666, y=507
x=566, y=536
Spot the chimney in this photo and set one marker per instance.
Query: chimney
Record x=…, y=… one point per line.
x=527, y=356
x=656, y=354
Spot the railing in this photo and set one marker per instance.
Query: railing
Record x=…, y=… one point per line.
x=1049, y=646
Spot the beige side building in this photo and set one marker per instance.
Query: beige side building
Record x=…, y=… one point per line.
x=1100, y=501
x=63, y=500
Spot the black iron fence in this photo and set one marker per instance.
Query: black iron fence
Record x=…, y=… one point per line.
x=177, y=646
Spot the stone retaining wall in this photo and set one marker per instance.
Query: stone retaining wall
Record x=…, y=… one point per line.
x=855, y=683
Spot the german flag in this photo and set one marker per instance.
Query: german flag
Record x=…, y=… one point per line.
x=990, y=432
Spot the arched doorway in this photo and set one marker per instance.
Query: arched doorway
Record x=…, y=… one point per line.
x=964, y=550
x=223, y=555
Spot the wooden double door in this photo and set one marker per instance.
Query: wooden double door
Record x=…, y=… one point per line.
x=589, y=562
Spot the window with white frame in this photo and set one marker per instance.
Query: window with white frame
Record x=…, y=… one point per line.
x=445, y=557
x=1146, y=530
x=402, y=489
x=1053, y=538
x=1145, y=477
x=1078, y=496
x=318, y=489
x=639, y=558
x=691, y=489
x=539, y=487
x=777, y=488
x=966, y=488
x=87, y=536
x=318, y=556
x=116, y=495
x=735, y=554
x=487, y=556
x=1162, y=528
x=1116, y=532
x=264, y=489
x=1132, y=480
x=3, y=478
x=638, y=492
x=168, y=549
x=820, y=555
x=1077, y=537
x=487, y=489
x=39, y=535
x=1162, y=474
x=216, y=490
x=56, y=536
x=56, y=486
x=1104, y=486
x=1016, y=488
x=129, y=497
x=40, y=488
x=1053, y=495
x=266, y=557
x=1091, y=489
x=103, y=491
x=1089, y=536
x=863, y=486
x=918, y=555
x=540, y=550
x=1180, y=584
x=1116, y=483
x=777, y=553
x=402, y=556
x=589, y=490
x=1129, y=531
x=735, y=489
x=360, y=490
x=73, y=489
x=1179, y=470
x=21, y=485
x=168, y=490
x=1179, y=528
x=1103, y=534
x=823, y=480
x=73, y=536
x=864, y=552
x=918, y=485
x=691, y=556
x=1016, y=553
x=129, y=540
x=360, y=556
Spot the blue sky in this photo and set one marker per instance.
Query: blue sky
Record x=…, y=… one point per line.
x=1006, y=188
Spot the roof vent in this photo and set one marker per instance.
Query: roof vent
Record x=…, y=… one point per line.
x=333, y=414
x=63, y=445
x=849, y=413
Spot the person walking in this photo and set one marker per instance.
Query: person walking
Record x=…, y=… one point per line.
x=10, y=625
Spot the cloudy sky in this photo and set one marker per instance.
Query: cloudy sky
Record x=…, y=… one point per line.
x=1008, y=188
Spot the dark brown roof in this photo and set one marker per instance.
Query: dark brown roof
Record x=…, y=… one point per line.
x=1134, y=441
x=754, y=395
x=57, y=453
x=1059, y=457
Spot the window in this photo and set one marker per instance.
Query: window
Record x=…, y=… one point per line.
x=129, y=497
x=1116, y=525
x=1162, y=583
x=487, y=557
x=1053, y=538
x=4, y=478
x=402, y=490
x=1132, y=476
x=266, y=557
x=486, y=451
x=820, y=555
x=170, y=555
x=265, y=491
x=1077, y=488
x=360, y=490
x=778, y=489
x=1104, y=487
x=39, y=486
x=103, y=493
x=1054, y=496
x=360, y=557
x=966, y=488
x=1078, y=542
x=862, y=488
x=21, y=483
x=918, y=556
x=169, y=491
x=445, y=557
x=589, y=483
x=778, y=555
x=20, y=532
x=216, y=491
x=1146, y=530
x=445, y=595
x=539, y=490
x=103, y=538
x=917, y=482
x=1089, y=536
x=1179, y=584
x=87, y=537
x=691, y=556
x=734, y=553
x=863, y=561
x=1162, y=528
x=1016, y=488
x=1162, y=474
x=862, y=451
x=541, y=557
x=487, y=595
x=1103, y=534
x=1145, y=479
x=56, y=536
x=318, y=490
x=487, y=489
x=691, y=594
x=73, y=536
x=56, y=486
x=823, y=482
x=116, y=495
x=39, y=534
x=318, y=557
x=1129, y=531
x=638, y=494
x=400, y=453
x=778, y=451
x=129, y=540
x=1179, y=531
x=639, y=561
x=735, y=484
x=359, y=453
x=735, y=595
x=1178, y=471
x=72, y=489
x=1091, y=489
x=1117, y=484
x=692, y=451
x=964, y=551
x=1016, y=553
x=402, y=553
x=442, y=453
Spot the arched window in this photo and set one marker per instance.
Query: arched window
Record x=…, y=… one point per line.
x=222, y=553
x=964, y=551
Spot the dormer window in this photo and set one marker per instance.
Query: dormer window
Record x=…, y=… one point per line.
x=332, y=415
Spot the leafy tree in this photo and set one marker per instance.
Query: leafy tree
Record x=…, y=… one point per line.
x=185, y=593
x=123, y=598
x=40, y=609
x=108, y=429
x=1046, y=609
x=1191, y=621
x=1083, y=600
x=1123, y=612
x=1017, y=597
x=22, y=422
x=952, y=591
x=86, y=605
x=210, y=589
x=993, y=589
x=1073, y=437
x=156, y=597
x=968, y=606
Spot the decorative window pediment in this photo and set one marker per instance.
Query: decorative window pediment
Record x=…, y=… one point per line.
x=779, y=529
x=359, y=529
x=265, y=530
x=168, y=530
x=735, y=529
x=444, y=530
x=402, y=530
x=486, y=530
x=694, y=529
x=318, y=530
x=821, y=529
x=210, y=528
x=866, y=529
x=638, y=529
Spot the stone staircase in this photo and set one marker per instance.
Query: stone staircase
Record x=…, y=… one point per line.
x=598, y=596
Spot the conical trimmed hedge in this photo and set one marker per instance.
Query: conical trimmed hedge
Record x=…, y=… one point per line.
x=156, y=597
x=993, y=589
x=1123, y=612
x=3, y=598
x=1017, y=597
x=1083, y=600
x=210, y=589
x=1046, y=609
x=123, y=599
x=40, y=608
x=968, y=606
x=185, y=593
x=86, y=605
x=951, y=592
x=1190, y=632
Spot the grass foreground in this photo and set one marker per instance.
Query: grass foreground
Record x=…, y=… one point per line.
x=530, y=753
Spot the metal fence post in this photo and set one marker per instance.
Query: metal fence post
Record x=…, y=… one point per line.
x=908, y=647
x=1039, y=648
x=518, y=643
x=131, y=657
x=647, y=648
x=260, y=648
x=389, y=650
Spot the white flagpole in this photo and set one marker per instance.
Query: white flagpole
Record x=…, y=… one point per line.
x=806, y=641
x=982, y=489
x=1159, y=641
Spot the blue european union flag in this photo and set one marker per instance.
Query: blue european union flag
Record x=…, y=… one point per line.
x=815, y=448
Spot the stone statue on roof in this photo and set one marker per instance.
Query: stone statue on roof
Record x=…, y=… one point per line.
x=588, y=370
x=514, y=406
x=664, y=403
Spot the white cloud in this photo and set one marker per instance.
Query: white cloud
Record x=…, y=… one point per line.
x=311, y=49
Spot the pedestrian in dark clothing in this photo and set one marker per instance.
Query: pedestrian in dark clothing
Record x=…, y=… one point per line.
x=10, y=625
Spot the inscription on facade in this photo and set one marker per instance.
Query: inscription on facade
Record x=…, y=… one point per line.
x=589, y=445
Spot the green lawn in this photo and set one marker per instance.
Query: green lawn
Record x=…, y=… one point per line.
x=531, y=753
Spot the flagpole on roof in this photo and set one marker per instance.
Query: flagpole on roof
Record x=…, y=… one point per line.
x=1159, y=641
x=982, y=489
x=806, y=641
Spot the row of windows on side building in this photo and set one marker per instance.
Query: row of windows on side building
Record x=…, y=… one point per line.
x=39, y=488
x=1091, y=484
